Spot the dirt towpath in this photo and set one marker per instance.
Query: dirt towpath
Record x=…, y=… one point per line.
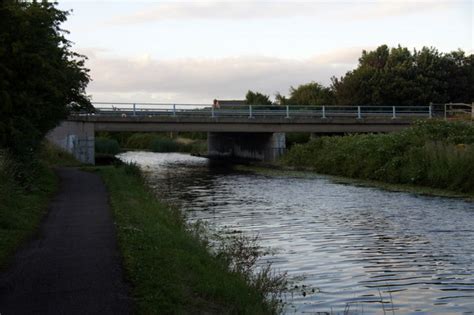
x=74, y=266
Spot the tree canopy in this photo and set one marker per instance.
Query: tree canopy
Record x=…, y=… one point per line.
x=256, y=98
x=308, y=94
x=398, y=76
x=41, y=78
x=394, y=76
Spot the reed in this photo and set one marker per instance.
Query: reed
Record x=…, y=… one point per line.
x=434, y=154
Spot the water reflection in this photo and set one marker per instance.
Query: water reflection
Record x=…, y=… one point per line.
x=359, y=249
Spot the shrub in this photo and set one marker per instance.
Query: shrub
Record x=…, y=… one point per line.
x=107, y=146
x=431, y=153
x=159, y=144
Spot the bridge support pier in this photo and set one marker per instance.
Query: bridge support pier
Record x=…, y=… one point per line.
x=265, y=146
x=75, y=137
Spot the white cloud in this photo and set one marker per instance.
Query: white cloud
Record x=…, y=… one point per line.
x=144, y=79
x=238, y=10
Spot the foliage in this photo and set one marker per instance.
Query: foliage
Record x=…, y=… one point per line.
x=21, y=208
x=398, y=76
x=51, y=155
x=308, y=94
x=394, y=76
x=434, y=154
x=170, y=263
x=256, y=98
x=194, y=135
x=41, y=79
x=293, y=138
x=161, y=143
x=106, y=146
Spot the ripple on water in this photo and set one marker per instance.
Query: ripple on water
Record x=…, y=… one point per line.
x=361, y=249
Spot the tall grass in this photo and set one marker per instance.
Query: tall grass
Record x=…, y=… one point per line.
x=106, y=146
x=170, y=263
x=25, y=191
x=435, y=154
x=160, y=143
x=51, y=155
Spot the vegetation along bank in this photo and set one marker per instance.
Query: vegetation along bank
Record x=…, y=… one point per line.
x=25, y=196
x=170, y=263
x=186, y=142
x=435, y=154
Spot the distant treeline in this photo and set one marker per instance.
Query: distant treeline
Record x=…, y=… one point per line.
x=389, y=76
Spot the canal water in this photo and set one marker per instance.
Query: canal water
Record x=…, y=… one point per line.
x=347, y=249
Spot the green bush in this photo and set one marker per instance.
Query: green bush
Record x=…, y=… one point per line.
x=164, y=145
x=107, y=146
x=435, y=154
x=140, y=141
x=297, y=137
x=161, y=143
x=23, y=202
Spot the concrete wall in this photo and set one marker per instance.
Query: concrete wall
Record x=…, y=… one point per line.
x=255, y=146
x=76, y=138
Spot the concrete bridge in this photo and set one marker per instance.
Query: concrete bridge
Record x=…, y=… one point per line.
x=254, y=132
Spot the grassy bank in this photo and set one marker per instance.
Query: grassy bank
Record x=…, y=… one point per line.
x=432, y=154
x=171, y=266
x=25, y=192
x=283, y=171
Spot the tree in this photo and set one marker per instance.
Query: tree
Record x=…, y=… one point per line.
x=41, y=79
x=281, y=99
x=311, y=94
x=398, y=76
x=256, y=98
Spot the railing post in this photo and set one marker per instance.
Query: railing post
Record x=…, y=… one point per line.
x=394, y=112
x=430, y=111
x=445, y=112
x=324, y=112
x=212, y=112
x=134, y=109
x=359, y=114
x=174, y=109
x=250, y=111
x=287, y=111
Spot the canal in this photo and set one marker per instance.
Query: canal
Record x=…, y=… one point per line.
x=347, y=249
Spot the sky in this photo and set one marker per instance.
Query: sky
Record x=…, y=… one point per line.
x=196, y=51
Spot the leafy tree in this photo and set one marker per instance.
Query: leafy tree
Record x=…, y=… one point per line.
x=311, y=94
x=398, y=76
x=41, y=79
x=281, y=99
x=256, y=98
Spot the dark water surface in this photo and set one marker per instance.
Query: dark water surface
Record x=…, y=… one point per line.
x=361, y=250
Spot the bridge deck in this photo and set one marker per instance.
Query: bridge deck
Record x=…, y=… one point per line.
x=244, y=124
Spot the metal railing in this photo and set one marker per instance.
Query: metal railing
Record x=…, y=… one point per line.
x=454, y=110
x=264, y=111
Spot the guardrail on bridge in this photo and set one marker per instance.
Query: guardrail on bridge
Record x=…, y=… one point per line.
x=285, y=111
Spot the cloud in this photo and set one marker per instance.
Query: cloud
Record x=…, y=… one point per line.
x=144, y=79
x=243, y=10
x=383, y=9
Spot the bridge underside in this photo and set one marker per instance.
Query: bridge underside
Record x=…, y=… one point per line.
x=254, y=146
x=258, y=138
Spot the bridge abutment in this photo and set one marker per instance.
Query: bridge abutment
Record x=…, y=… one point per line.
x=265, y=146
x=77, y=138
